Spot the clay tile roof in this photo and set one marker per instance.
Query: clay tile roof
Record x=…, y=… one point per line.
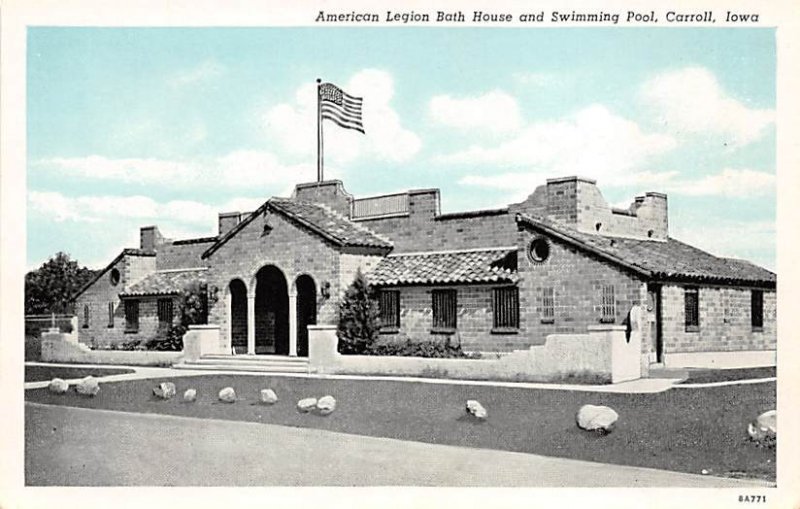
x=321, y=220
x=326, y=221
x=667, y=259
x=489, y=265
x=167, y=282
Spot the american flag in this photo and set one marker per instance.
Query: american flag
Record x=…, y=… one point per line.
x=343, y=109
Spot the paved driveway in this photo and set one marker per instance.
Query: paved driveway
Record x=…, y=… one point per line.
x=80, y=447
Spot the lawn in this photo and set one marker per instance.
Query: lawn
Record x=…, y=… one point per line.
x=686, y=430
x=45, y=373
x=697, y=376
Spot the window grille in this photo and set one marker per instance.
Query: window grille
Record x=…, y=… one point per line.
x=110, y=314
x=132, y=315
x=85, y=316
x=505, y=308
x=390, y=309
x=164, y=312
x=609, y=305
x=757, y=309
x=444, y=309
x=548, y=304
x=692, y=309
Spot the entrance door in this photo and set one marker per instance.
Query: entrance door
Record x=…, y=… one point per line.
x=654, y=319
x=271, y=312
x=306, y=311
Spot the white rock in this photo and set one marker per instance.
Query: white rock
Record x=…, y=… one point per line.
x=190, y=395
x=475, y=409
x=228, y=395
x=58, y=386
x=596, y=418
x=268, y=397
x=88, y=386
x=326, y=405
x=307, y=404
x=765, y=427
x=165, y=390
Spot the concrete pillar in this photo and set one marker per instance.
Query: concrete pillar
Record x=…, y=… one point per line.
x=293, y=323
x=322, y=348
x=251, y=324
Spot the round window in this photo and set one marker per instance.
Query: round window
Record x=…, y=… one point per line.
x=114, y=277
x=539, y=250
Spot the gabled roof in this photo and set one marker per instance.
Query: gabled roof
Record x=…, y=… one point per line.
x=667, y=260
x=486, y=265
x=166, y=282
x=125, y=252
x=319, y=219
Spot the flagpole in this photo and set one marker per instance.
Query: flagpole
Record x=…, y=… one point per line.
x=319, y=132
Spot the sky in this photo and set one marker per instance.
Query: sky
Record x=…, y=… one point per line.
x=128, y=127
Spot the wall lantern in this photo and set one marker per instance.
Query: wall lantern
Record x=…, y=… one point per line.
x=325, y=290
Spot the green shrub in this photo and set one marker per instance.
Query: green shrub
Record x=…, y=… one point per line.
x=430, y=348
x=358, y=317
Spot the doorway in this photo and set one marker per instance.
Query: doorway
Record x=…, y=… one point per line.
x=271, y=312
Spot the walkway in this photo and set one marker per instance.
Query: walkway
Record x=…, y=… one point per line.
x=81, y=447
x=643, y=385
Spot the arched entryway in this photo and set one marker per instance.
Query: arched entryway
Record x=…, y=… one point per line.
x=238, y=313
x=271, y=312
x=306, y=311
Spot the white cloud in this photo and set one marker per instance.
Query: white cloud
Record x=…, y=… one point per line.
x=733, y=183
x=692, y=101
x=202, y=72
x=495, y=111
x=294, y=124
x=593, y=142
x=243, y=169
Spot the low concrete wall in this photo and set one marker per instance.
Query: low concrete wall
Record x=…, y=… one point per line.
x=721, y=360
x=202, y=340
x=605, y=353
x=60, y=347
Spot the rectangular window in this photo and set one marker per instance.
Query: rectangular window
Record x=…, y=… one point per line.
x=444, y=310
x=691, y=301
x=132, y=315
x=110, y=314
x=86, y=316
x=548, y=305
x=608, y=305
x=164, y=313
x=757, y=309
x=390, y=309
x=505, y=308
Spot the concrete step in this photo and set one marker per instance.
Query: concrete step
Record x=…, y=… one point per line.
x=256, y=358
x=261, y=368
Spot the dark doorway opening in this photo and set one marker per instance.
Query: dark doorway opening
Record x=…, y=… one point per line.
x=654, y=315
x=272, y=312
x=238, y=316
x=306, y=311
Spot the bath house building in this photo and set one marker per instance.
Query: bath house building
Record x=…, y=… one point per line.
x=494, y=280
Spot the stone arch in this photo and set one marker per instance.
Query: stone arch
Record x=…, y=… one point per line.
x=271, y=311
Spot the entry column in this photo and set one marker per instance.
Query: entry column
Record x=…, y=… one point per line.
x=293, y=323
x=251, y=324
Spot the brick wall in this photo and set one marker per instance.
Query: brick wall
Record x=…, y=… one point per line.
x=181, y=255
x=724, y=321
x=97, y=297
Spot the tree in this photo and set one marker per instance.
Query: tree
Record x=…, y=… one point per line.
x=358, y=317
x=50, y=288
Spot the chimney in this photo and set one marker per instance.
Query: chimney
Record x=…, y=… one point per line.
x=149, y=238
x=423, y=204
x=651, y=209
x=330, y=193
x=228, y=221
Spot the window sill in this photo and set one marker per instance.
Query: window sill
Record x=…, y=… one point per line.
x=692, y=328
x=131, y=331
x=607, y=320
x=758, y=329
x=443, y=331
x=548, y=320
x=389, y=330
x=505, y=330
